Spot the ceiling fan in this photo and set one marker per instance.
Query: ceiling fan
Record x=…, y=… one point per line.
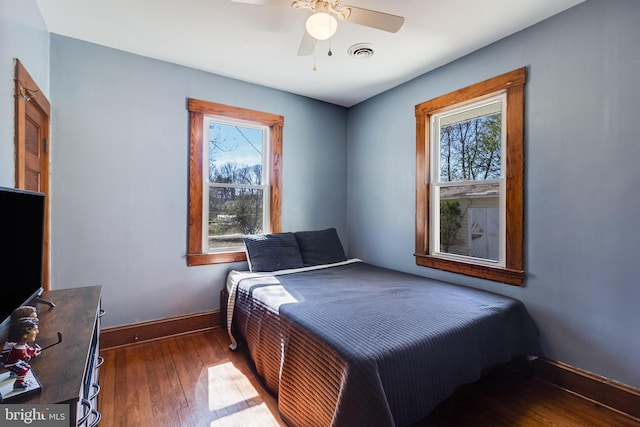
x=322, y=24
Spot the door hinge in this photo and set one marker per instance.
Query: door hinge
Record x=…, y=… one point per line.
x=46, y=145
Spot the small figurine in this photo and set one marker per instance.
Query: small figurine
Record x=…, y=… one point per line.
x=18, y=313
x=23, y=330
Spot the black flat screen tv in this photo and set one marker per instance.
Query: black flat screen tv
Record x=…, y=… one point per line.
x=22, y=216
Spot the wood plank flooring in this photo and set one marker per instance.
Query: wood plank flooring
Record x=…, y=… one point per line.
x=194, y=380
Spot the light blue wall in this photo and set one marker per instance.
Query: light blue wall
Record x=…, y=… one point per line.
x=120, y=167
x=582, y=195
x=23, y=35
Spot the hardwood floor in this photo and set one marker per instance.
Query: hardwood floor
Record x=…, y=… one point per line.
x=194, y=380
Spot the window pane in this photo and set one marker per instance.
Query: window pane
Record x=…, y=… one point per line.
x=470, y=144
x=470, y=220
x=233, y=212
x=235, y=154
x=484, y=232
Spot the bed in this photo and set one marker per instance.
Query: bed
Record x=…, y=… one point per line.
x=344, y=343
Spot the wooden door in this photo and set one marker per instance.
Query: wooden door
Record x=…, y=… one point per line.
x=32, y=112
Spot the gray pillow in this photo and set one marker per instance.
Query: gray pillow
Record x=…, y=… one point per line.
x=320, y=247
x=272, y=252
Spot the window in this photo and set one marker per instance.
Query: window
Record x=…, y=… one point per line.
x=235, y=158
x=466, y=175
x=469, y=182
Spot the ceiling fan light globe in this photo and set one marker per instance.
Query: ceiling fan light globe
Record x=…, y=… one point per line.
x=321, y=25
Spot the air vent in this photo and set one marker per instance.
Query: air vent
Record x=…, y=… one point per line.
x=361, y=50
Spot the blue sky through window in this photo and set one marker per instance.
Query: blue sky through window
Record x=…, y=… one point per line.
x=232, y=143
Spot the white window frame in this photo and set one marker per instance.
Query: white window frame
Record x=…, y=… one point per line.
x=207, y=184
x=436, y=183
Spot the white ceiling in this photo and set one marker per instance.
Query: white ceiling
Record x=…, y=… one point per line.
x=259, y=44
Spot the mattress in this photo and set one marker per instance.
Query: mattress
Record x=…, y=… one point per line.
x=355, y=344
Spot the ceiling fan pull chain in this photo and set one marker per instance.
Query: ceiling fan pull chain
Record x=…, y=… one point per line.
x=315, y=45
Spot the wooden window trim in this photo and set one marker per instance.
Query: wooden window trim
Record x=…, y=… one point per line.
x=513, y=84
x=197, y=110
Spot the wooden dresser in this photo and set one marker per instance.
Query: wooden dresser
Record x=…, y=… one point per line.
x=68, y=371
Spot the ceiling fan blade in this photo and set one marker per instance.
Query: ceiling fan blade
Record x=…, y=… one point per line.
x=371, y=18
x=307, y=45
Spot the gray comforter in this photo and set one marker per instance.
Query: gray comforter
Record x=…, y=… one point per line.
x=362, y=345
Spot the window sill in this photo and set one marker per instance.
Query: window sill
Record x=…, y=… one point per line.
x=217, y=258
x=497, y=274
